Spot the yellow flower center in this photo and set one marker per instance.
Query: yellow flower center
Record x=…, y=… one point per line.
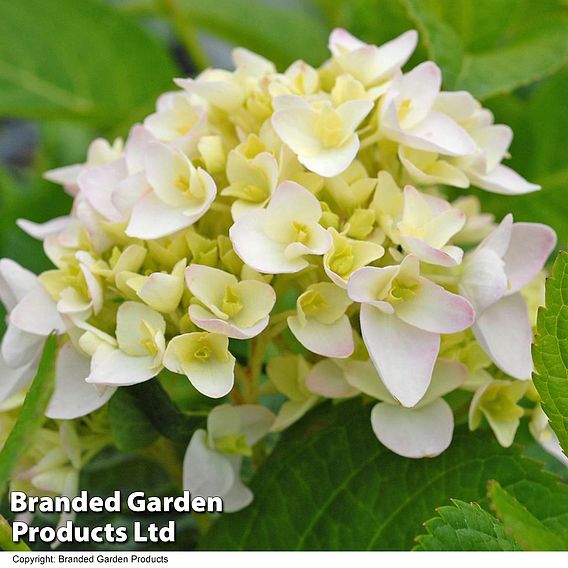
x=231, y=304
x=301, y=232
x=313, y=302
x=233, y=444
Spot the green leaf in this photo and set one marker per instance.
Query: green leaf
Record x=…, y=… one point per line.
x=31, y=415
x=464, y=527
x=529, y=531
x=550, y=351
x=130, y=427
x=163, y=413
x=331, y=485
x=275, y=32
x=6, y=542
x=92, y=64
x=490, y=47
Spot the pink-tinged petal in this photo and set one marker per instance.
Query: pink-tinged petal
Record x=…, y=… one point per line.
x=153, y=219
x=98, y=183
x=504, y=332
x=435, y=309
x=483, y=280
x=502, y=180
x=328, y=340
x=115, y=368
x=206, y=320
x=14, y=380
x=330, y=162
x=206, y=472
x=447, y=256
x=138, y=140
x=19, y=348
x=422, y=432
x=327, y=379
x=15, y=282
x=403, y=355
x=257, y=250
x=530, y=247
x=500, y=238
x=439, y=133
x=37, y=313
x=73, y=396
x=340, y=39
x=128, y=192
x=41, y=230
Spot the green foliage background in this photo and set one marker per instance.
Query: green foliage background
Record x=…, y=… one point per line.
x=71, y=70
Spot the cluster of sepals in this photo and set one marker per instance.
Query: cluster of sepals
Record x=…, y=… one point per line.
x=249, y=187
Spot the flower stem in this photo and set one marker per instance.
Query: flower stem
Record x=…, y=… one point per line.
x=185, y=31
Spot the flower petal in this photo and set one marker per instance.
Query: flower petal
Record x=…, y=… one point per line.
x=403, y=355
x=152, y=219
x=328, y=340
x=422, y=432
x=206, y=472
x=435, y=309
x=73, y=396
x=37, y=313
x=530, y=246
x=257, y=250
x=504, y=332
x=502, y=180
x=327, y=379
x=330, y=162
x=113, y=367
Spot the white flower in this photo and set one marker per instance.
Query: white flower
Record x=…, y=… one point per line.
x=426, y=429
x=177, y=120
x=32, y=315
x=212, y=462
x=73, y=396
x=402, y=317
x=367, y=63
x=276, y=239
x=180, y=194
x=323, y=137
x=407, y=115
x=492, y=277
x=251, y=181
x=99, y=152
x=204, y=358
x=427, y=224
x=348, y=255
x=498, y=400
x=321, y=324
x=139, y=350
x=236, y=309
